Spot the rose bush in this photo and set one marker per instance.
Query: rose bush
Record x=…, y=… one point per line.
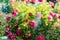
x=32, y=21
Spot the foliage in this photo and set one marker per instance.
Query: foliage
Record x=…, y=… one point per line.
x=31, y=21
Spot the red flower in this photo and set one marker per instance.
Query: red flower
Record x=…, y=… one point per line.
x=7, y=32
x=32, y=23
x=31, y=0
x=52, y=14
x=49, y=17
x=11, y=36
x=7, y=18
x=40, y=0
x=30, y=14
x=40, y=37
x=58, y=16
x=18, y=32
x=26, y=20
x=14, y=12
x=7, y=29
x=51, y=3
x=24, y=38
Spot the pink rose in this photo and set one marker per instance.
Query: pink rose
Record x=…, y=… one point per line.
x=52, y=14
x=40, y=37
x=11, y=36
x=51, y=3
x=31, y=0
x=49, y=18
x=38, y=14
x=14, y=12
x=58, y=16
x=40, y=0
x=7, y=18
x=32, y=23
x=58, y=0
